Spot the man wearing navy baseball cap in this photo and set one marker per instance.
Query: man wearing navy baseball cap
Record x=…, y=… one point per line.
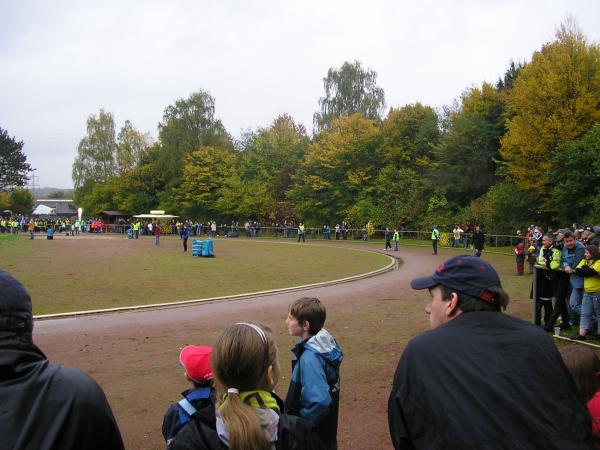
x=481, y=379
x=42, y=405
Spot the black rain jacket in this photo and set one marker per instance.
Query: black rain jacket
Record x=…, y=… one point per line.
x=49, y=407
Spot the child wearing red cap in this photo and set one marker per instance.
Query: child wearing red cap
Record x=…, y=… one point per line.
x=200, y=399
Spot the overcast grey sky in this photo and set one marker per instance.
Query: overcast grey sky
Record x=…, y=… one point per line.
x=61, y=61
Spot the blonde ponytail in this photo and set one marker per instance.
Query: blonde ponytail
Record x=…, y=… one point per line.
x=241, y=357
x=243, y=424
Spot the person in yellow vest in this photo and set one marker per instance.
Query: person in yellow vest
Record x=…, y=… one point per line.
x=136, y=229
x=301, y=232
x=435, y=237
x=396, y=238
x=2, y=225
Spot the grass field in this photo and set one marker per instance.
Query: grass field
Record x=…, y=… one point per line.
x=72, y=274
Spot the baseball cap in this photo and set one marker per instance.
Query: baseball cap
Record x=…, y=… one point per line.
x=196, y=362
x=465, y=274
x=588, y=228
x=15, y=303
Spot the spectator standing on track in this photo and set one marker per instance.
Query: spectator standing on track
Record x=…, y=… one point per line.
x=43, y=405
x=31, y=228
x=478, y=241
x=184, y=236
x=435, y=237
x=520, y=257
x=388, y=236
x=456, y=234
x=301, y=232
x=157, y=234
x=531, y=257
x=396, y=238
x=461, y=366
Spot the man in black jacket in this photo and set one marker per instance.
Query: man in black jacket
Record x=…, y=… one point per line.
x=478, y=241
x=42, y=405
x=481, y=379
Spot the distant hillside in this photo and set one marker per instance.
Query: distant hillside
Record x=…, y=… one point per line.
x=45, y=191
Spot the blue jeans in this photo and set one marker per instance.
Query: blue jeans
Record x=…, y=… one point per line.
x=395, y=246
x=590, y=309
x=575, y=302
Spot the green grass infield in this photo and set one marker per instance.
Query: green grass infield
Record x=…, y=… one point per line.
x=85, y=273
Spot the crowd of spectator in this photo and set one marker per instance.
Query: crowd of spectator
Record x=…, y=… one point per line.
x=566, y=288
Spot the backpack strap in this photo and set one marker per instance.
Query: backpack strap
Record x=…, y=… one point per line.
x=185, y=404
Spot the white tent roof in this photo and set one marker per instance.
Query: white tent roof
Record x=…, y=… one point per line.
x=155, y=216
x=43, y=210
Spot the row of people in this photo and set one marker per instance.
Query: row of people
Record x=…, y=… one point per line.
x=568, y=271
x=452, y=375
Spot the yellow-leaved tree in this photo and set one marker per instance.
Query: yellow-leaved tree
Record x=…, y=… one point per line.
x=555, y=99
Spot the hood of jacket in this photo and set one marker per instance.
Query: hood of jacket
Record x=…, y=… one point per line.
x=324, y=345
x=19, y=356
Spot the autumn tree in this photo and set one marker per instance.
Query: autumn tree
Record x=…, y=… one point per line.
x=339, y=169
x=21, y=201
x=402, y=188
x=575, y=175
x=95, y=161
x=468, y=150
x=349, y=90
x=4, y=201
x=271, y=156
x=409, y=135
x=131, y=144
x=240, y=199
x=187, y=125
x=554, y=99
x=14, y=168
x=205, y=172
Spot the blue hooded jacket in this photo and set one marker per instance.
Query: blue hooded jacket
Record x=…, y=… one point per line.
x=315, y=384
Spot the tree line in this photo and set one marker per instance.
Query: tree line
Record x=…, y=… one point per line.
x=523, y=149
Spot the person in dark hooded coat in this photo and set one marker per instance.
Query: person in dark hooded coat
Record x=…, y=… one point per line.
x=44, y=406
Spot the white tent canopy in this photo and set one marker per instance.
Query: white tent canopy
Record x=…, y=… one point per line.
x=156, y=215
x=43, y=210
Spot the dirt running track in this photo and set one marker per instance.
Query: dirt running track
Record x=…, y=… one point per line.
x=134, y=355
